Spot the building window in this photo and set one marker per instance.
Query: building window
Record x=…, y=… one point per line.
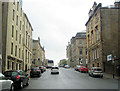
x=91, y=24
x=16, y=34
x=92, y=55
x=11, y=48
x=16, y=50
x=20, y=25
x=80, y=42
x=80, y=51
x=19, y=52
x=13, y=14
x=88, y=29
x=17, y=6
x=12, y=31
x=20, y=39
x=22, y=54
x=21, y=12
x=93, y=65
x=97, y=52
x=96, y=32
x=19, y=66
x=8, y=64
x=34, y=52
x=86, y=51
x=33, y=44
x=92, y=37
x=97, y=64
x=96, y=19
x=12, y=65
x=17, y=20
x=26, y=38
x=14, y=2
x=26, y=55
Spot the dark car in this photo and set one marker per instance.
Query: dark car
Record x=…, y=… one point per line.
x=41, y=68
x=18, y=77
x=35, y=72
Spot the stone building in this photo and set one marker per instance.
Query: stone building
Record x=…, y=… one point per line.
x=0, y=36
x=103, y=32
x=16, y=37
x=76, y=50
x=38, y=54
x=68, y=50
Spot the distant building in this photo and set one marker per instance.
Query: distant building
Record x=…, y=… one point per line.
x=103, y=33
x=76, y=50
x=38, y=54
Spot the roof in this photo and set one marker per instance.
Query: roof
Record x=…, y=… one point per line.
x=99, y=5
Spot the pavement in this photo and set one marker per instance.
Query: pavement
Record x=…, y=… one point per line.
x=110, y=76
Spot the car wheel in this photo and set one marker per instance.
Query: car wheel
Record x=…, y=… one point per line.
x=39, y=75
x=89, y=74
x=27, y=83
x=101, y=76
x=21, y=85
x=12, y=88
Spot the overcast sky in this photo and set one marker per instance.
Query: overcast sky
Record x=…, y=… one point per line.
x=56, y=21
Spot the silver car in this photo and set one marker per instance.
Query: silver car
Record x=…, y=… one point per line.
x=5, y=84
x=96, y=71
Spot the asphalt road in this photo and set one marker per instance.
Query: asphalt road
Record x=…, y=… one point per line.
x=70, y=79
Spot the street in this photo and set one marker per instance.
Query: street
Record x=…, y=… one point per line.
x=70, y=79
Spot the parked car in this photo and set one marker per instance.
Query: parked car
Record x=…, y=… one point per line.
x=41, y=68
x=54, y=69
x=18, y=77
x=67, y=66
x=35, y=72
x=77, y=67
x=83, y=69
x=5, y=84
x=96, y=71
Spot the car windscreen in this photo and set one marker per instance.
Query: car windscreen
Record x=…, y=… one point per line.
x=10, y=73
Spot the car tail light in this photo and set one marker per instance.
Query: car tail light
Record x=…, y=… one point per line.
x=57, y=68
x=18, y=77
x=38, y=70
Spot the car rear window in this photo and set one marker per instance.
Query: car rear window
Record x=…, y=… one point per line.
x=98, y=69
x=34, y=69
x=54, y=67
x=10, y=73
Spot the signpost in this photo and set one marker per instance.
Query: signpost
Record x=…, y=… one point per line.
x=109, y=57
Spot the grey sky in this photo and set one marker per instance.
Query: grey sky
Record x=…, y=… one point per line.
x=56, y=21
